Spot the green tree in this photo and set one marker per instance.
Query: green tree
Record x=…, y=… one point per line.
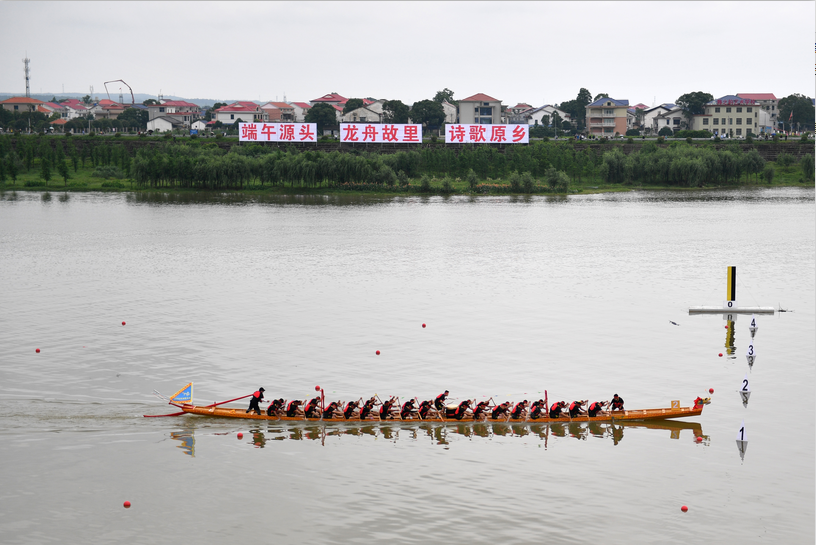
x=429, y=113
x=665, y=131
x=394, y=111
x=150, y=101
x=802, y=109
x=62, y=167
x=45, y=169
x=600, y=95
x=693, y=104
x=444, y=95
x=134, y=117
x=352, y=104
x=324, y=115
x=86, y=99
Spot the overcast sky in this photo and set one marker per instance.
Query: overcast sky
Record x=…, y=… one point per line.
x=534, y=52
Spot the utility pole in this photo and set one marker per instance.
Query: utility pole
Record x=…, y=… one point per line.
x=26, y=61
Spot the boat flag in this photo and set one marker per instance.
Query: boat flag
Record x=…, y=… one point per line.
x=185, y=395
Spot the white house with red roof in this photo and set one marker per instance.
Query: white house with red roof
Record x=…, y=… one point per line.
x=300, y=108
x=72, y=109
x=480, y=109
x=107, y=109
x=22, y=104
x=536, y=115
x=331, y=98
x=179, y=109
x=244, y=111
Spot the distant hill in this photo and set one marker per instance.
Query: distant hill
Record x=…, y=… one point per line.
x=139, y=97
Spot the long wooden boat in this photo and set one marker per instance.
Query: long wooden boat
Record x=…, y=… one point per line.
x=637, y=415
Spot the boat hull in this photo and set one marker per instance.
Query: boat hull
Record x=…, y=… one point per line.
x=618, y=416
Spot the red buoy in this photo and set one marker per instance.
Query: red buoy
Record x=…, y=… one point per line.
x=240, y=435
x=711, y=390
x=726, y=327
x=317, y=388
x=684, y=509
x=123, y=323
x=423, y=325
x=127, y=505
x=38, y=351
x=720, y=354
x=378, y=352
x=699, y=439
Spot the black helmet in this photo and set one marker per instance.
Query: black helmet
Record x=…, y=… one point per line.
x=261, y=390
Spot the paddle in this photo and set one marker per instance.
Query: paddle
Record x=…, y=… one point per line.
x=158, y=415
x=419, y=415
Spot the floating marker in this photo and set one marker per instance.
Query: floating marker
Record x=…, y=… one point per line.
x=743, y=447
x=378, y=352
x=699, y=439
x=711, y=390
x=742, y=436
x=750, y=355
x=684, y=509
x=123, y=323
x=720, y=354
x=317, y=388
x=37, y=351
x=127, y=505
x=240, y=435
x=745, y=386
x=423, y=325
x=753, y=325
x=745, y=391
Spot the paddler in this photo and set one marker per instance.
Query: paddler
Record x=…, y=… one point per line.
x=408, y=410
x=556, y=408
x=617, y=403
x=536, y=409
x=293, y=408
x=575, y=408
x=350, y=409
x=275, y=407
x=255, y=400
x=480, y=410
x=385, y=409
x=519, y=410
x=595, y=408
x=368, y=406
x=500, y=411
x=312, y=409
x=328, y=412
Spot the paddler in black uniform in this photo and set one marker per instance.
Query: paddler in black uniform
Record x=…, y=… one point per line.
x=275, y=407
x=312, y=409
x=617, y=403
x=575, y=408
x=556, y=408
x=255, y=400
x=595, y=408
x=536, y=408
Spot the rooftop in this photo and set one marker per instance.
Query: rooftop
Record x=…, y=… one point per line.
x=480, y=97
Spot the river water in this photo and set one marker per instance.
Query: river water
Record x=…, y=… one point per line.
x=575, y=296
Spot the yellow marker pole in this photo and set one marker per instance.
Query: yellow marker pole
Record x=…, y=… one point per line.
x=731, y=284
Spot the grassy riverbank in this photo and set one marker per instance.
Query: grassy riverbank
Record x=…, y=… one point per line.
x=95, y=164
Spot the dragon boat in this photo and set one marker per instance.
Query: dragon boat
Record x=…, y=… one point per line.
x=453, y=413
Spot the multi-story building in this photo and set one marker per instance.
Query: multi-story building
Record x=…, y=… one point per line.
x=279, y=112
x=607, y=117
x=731, y=115
x=766, y=101
x=21, y=104
x=480, y=109
x=247, y=112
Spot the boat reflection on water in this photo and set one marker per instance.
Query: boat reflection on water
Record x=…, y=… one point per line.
x=187, y=439
x=442, y=434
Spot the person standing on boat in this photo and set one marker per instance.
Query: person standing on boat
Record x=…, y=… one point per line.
x=595, y=408
x=254, y=402
x=439, y=402
x=617, y=403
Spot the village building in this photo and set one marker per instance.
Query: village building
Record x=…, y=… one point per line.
x=480, y=109
x=243, y=111
x=451, y=112
x=300, y=109
x=279, y=112
x=536, y=116
x=730, y=115
x=766, y=101
x=163, y=124
x=22, y=104
x=331, y=98
x=362, y=114
x=607, y=117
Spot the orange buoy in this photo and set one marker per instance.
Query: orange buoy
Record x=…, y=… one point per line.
x=127, y=505
x=37, y=351
x=684, y=509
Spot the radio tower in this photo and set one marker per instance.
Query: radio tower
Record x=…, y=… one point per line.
x=27, y=71
x=121, y=100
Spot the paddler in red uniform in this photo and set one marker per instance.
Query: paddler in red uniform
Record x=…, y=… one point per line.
x=351, y=408
x=255, y=400
x=536, y=409
x=368, y=406
x=480, y=410
x=500, y=411
x=556, y=408
x=439, y=402
x=293, y=408
x=312, y=409
x=519, y=410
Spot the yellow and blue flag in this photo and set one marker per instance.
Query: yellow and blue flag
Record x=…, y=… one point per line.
x=185, y=395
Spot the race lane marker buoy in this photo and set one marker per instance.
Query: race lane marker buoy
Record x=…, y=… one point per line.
x=37, y=351
x=378, y=352
x=684, y=509
x=240, y=435
x=423, y=325
x=742, y=441
x=711, y=390
x=127, y=505
x=123, y=323
x=750, y=355
x=720, y=354
x=752, y=327
x=745, y=391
